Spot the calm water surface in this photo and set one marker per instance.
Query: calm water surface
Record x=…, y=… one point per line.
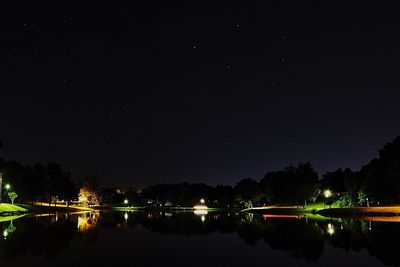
x=188, y=239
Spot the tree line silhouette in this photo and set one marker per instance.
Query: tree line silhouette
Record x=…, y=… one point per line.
x=377, y=182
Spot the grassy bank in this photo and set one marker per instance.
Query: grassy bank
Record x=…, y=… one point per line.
x=361, y=211
x=6, y=207
x=51, y=209
x=9, y=209
x=290, y=208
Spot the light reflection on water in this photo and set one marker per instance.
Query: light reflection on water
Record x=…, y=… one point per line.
x=308, y=239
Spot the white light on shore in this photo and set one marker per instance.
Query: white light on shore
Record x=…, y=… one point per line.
x=200, y=207
x=200, y=212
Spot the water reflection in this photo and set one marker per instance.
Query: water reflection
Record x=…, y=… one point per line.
x=87, y=221
x=302, y=237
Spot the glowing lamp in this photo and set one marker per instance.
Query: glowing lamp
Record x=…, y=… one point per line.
x=327, y=193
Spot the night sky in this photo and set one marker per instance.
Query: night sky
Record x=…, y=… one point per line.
x=143, y=92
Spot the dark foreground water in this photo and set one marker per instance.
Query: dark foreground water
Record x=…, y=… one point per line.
x=188, y=239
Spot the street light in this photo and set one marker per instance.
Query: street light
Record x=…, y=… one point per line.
x=126, y=202
x=7, y=186
x=202, y=201
x=327, y=193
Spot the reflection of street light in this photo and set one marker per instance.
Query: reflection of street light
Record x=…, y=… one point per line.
x=126, y=202
x=331, y=229
x=5, y=234
x=202, y=201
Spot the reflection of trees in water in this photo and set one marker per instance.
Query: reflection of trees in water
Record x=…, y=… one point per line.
x=47, y=235
x=302, y=239
x=87, y=221
x=37, y=236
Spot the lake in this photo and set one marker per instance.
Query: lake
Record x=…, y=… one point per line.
x=197, y=239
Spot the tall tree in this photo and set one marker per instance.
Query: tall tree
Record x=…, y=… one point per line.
x=381, y=177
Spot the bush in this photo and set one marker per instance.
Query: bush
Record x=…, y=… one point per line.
x=346, y=201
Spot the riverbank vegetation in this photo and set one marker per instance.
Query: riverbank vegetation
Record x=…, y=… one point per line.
x=300, y=186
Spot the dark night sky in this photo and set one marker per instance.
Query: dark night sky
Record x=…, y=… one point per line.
x=142, y=92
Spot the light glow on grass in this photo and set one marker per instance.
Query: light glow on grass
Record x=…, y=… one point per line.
x=200, y=207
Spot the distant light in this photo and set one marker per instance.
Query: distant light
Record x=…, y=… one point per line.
x=126, y=201
x=203, y=218
x=200, y=212
x=126, y=216
x=200, y=207
x=331, y=229
x=327, y=193
x=7, y=186
x=202, y=201
x=5, y=234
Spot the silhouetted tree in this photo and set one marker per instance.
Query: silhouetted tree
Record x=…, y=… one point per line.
x=334, y=181
x=381, y=177
x=293, y=183
x=248, y=190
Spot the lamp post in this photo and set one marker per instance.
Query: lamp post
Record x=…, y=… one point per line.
x=327, y=195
